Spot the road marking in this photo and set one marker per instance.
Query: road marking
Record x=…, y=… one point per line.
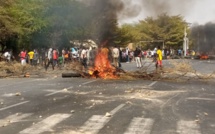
x=88, y=82
x=46, y=125
x=204, y=99
x=140, y=126
x=150, y=85
x=21, y=103
x=188, y=127
x=14, y=118
x=115, y=110
x=95, y=123
x=60, y=91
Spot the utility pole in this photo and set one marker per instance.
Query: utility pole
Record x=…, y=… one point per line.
x=186, y=42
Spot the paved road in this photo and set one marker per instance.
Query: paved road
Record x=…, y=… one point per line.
x=55, y=105
x=201, y=66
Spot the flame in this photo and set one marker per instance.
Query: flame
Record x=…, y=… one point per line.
x=102, y=66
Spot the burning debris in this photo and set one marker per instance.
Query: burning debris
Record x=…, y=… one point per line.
x=102, y=66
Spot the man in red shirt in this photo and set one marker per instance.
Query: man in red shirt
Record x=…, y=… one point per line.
x=55, y=57
x=22, y=56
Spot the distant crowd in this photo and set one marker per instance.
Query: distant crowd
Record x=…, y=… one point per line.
x=86, y=56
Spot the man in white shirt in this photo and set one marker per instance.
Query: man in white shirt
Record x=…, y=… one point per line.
x=115, y=54
x=84, y=58
x=7, y=56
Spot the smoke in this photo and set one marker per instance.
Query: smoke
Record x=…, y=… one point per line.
x=105, y=18
x=203, y=38
x=109, y=12
x=153, y=8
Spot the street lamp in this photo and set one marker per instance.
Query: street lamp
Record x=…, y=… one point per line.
x=186, y=40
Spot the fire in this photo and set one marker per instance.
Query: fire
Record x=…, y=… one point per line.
x=102, y=66
x=204, y=56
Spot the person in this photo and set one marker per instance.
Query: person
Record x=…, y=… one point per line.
x=115, y=55
x=127, y=54
x=60, y=62
x=49, y=59
x=66, y=56
x=120, y=58
x=42, y=57
x=179, y=52
x=35, y=57
x=23, y=56
x=159, y=58
x=63, y=56
x=55, y=57
x=155, y=55
x=31, y=56
x=92, y=56
x=137, y=55
x=84, y=58
x=7, y=56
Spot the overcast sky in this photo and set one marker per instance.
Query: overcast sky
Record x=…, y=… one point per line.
x=193, y=11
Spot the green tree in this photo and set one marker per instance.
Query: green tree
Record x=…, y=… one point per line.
x=156, y=31
x=19, y=20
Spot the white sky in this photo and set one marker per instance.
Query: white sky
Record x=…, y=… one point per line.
x=200, y=11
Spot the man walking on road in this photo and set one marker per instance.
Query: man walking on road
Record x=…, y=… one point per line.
x=49, y=59
x=159, y=58
x=138, y=55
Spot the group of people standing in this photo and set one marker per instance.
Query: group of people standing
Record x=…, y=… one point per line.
x=157, y=57
x=54, y=57
x=44, y=57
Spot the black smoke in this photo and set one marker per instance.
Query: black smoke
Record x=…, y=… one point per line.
x=203, y=37
x=105, y=23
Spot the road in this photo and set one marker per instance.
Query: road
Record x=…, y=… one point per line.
x=55, y=105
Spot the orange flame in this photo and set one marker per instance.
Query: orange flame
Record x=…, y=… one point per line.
x=102, y=66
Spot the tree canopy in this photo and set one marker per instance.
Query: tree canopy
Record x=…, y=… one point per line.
x=163, y=29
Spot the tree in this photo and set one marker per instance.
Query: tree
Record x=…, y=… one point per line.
x=19, y=20
x=154, y=31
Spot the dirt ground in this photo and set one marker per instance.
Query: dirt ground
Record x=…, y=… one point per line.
x=182, y=71
x=15, y=69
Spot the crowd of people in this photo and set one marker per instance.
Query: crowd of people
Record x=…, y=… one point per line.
x=58, y=58
x=86, y=56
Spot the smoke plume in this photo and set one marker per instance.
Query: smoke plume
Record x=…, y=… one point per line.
x=203, y=38
x=105, y=18
x=152, y=8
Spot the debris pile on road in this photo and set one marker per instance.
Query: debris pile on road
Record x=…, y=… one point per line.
x=13, y=69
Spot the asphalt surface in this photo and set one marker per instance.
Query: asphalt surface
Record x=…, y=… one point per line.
x=55, y=105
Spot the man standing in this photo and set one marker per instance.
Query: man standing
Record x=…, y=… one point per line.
x=159, y=58
x=7, y=56
x=92, y=56
x=31, y=56
x=137, y=55
x=35, y=57
x=115, y=54
x=49, y=59
x=55, y=57
x=84, y=58
x=22, y=56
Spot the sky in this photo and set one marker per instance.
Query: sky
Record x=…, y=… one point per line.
x=193, y=11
